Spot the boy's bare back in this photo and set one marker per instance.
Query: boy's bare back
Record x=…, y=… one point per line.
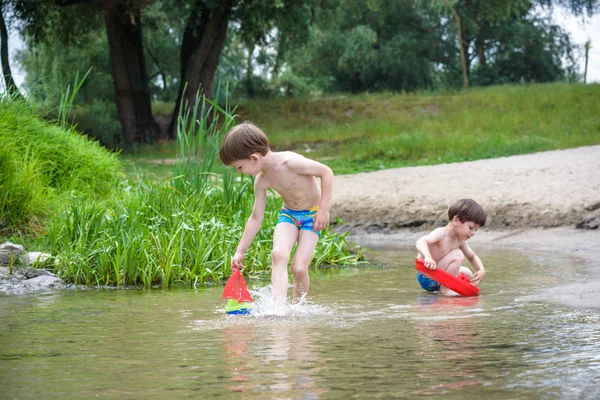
x=293, y=177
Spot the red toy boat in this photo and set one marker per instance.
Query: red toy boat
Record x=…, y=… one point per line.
x=459, y=284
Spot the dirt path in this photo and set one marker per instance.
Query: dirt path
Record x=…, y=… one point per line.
x=546, y=189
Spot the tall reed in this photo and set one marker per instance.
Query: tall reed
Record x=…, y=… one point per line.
x=182, y=232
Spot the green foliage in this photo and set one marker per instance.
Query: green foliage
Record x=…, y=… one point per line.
x=67, y=99
x=378, y=131
x=41, y=164
x=163, y=29
x=290, y=48
x=199, y=134
x=152, y=234
x=182, y=232
x=357, y=47
x=100, y=120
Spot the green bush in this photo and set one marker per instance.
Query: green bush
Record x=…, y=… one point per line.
x=42, y=163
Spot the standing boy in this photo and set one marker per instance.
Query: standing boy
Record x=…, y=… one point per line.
x=447, y=247
x=305, y=210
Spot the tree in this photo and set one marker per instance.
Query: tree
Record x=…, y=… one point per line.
x=201, y=47
x=44, y=22
x=587, y=47
x=130, y=77
x=9, y=83
x=207, y=26
x=461, y=43
x=484, y=29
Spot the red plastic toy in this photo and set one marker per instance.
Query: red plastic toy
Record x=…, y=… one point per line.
x=236, y=288
x=460, y=284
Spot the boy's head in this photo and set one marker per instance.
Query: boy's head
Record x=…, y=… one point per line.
x=467, y=210
x=242, y=141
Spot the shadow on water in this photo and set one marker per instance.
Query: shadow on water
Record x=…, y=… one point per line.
x=367, y=332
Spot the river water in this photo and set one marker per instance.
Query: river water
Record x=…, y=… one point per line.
x=368, y=332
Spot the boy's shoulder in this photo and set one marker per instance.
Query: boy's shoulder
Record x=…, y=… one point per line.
x=438, y=232
x=288, y=155
x=291, y=159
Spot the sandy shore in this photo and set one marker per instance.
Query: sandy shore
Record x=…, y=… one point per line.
x=533, y=203
x=548, y=189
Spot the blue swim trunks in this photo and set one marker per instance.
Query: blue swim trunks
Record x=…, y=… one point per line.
x=427, y=283
x=303, y=219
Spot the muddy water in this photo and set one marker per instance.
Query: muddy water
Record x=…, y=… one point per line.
x=368, y=332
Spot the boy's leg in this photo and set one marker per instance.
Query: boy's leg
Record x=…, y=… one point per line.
x=466, y=271
x=451, y=263
x=307, y=241
x=284, y=237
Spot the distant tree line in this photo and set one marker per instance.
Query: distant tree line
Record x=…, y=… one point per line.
x=146, y=51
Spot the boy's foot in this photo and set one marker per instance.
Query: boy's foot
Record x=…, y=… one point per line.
x=444, y=291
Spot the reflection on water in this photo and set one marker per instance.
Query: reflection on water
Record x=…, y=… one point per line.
x=367, y=332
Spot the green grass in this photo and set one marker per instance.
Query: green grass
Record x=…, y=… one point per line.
x=42, y=165
x=182, y=226
x=377, y=131
x=183, y=231
x=63, y=194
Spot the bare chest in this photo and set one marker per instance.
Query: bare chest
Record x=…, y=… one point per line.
x=292, y=183
x=442, y=248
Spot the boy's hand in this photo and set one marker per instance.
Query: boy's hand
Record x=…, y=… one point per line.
x=236, y=261
x=430, y=263
x=478, y=277
x=321, y=220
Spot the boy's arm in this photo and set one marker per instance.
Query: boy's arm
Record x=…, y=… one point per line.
x=306, y=166
x=252, y=225
x=475, y=262
x=423, y=246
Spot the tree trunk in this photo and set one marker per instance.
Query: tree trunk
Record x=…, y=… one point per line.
x=479, y=40
x=480, y=46
x=463, y=58
x=128, y=67
x=278, y=57
x=587, y=47
x=201, y=48
x=11, y=86
x=249, y=72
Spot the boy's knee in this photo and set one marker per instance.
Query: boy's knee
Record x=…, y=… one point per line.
x=458, y=256
x=299, y=268
x=280, y=256
x=466, y=271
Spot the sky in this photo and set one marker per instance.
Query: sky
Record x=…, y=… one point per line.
x=580, y=30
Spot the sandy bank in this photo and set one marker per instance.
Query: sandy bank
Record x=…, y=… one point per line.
x=547, y=189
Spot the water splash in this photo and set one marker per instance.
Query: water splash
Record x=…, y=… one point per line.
x=264, y=306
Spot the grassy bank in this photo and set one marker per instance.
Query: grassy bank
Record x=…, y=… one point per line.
x=43, y=165
x=376, y=131
x=105, y=230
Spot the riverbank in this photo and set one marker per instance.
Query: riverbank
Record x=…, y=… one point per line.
x=533, y=203
x=546, y=189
